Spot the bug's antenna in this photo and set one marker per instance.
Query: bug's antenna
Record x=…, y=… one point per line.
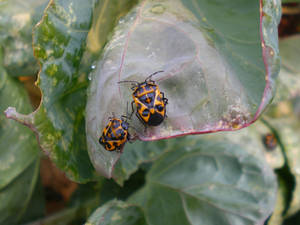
x=113, y=116
x=149, y=77
x=128, y=81
x=123, y=116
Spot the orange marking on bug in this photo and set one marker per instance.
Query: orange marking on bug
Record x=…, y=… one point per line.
x=148, y=100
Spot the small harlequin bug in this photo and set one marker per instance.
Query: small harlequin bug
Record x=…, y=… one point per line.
x=270, y=141
x=150, y=102
x=115, y=134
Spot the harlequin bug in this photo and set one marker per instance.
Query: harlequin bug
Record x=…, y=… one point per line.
x=115, y=134
x=270, y=141
x=150, y=102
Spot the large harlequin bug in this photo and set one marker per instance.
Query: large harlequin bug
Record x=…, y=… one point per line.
x=115, y=134
x=150, y=102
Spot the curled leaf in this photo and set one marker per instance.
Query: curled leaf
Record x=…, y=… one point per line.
x=219, y=68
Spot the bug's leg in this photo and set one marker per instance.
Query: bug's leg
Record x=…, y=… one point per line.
x=129, y=138
x=135, y=85
x=117, y=146
x=163, y=98
x=123, y=117
x=118, y=149
x=143, y=122
x=165, y=101
x=132, y=108
x=127, y=109
x=140, y=119
x=133, y=128
x=166, y=116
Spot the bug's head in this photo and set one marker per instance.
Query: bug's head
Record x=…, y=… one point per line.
x=101, y=141
x=125, y=125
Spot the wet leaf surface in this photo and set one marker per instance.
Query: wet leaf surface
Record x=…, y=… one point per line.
x=209, y=182
x=214, y=77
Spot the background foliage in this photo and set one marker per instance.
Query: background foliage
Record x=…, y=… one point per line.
x=228, y=178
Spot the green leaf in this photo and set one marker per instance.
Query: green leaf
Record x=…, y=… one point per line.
x=252, y=139
x=89, y=196
x=145, y=152
x=16, y=23
x=59, y=44
x=37, y=205
x=207, y=182
x=18, y=145
x=117, y=213
x=219, y=70
x=138, y=153
x=19, y=159
x=289, y=76
x=16, y=196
